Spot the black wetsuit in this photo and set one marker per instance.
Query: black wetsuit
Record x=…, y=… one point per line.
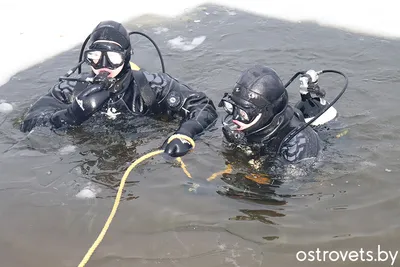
x=137, y=92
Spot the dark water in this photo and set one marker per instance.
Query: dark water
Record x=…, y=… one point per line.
x=352, y=202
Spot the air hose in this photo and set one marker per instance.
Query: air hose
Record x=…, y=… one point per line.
x=325, y=109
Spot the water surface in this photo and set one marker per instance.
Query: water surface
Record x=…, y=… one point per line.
x=351, y=203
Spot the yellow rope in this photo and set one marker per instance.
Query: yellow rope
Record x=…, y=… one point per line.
x=190, y=140
x=183, y=166
x=119, y=194
x=121, y=187
x=115, y=207
x=214, y=175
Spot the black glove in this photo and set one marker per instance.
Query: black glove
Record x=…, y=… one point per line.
x=34, y=120
x=83, y=106
x=177, y=147
x=102, y=78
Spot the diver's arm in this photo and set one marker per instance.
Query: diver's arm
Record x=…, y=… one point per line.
x=66, y=105
x=196, y=109
x=165, y=95
x=40, y=112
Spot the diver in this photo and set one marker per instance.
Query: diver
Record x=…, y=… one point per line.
x=260, y=120
x=114, y=88
x=273, y=145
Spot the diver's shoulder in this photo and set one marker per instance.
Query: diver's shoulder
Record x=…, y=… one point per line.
x=152, y=79
x=306, y=137
x=305, y=144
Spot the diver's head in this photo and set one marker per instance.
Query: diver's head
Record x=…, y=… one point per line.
x=257, y=98
x=109, y=49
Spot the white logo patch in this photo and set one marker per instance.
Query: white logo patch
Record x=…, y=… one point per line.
x=80, y=103
x=111, y=113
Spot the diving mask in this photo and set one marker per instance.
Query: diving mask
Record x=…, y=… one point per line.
x=105, y=55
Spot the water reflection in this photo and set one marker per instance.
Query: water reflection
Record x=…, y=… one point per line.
x=259, y=178
x=105, y=149
x=258, y=215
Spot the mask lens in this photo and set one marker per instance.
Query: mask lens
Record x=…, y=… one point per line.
x=243, y=116
x=94, y=56
x=228, y=107
x=115, y=57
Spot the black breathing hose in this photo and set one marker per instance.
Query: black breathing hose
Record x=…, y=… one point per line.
x=78, y=67
x=326, y=108
x=81, y=53
x=294, y=77
x=155, y=45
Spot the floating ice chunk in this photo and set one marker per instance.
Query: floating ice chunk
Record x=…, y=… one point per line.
x=6, y=107
x=198, y=40
x=368, y=164
x=89, y=191
x=67, y=149
x=160, y=30
x=182, y=43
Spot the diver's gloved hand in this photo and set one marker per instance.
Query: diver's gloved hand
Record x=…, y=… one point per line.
x=32, y=121
x=102, y=78
x=178, y=147
x=232, y=135
x=83, y=106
